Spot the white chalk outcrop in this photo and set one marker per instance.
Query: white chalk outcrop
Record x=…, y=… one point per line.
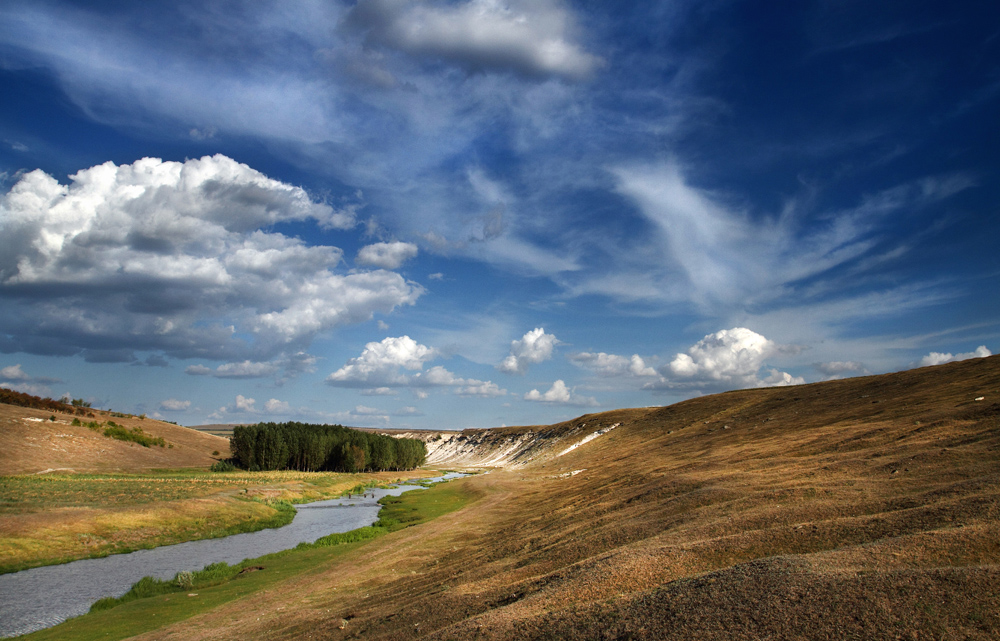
x=504, y=448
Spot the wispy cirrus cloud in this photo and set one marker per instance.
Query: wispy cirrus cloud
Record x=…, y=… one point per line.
x=719, y=257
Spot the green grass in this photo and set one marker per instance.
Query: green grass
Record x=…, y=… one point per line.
x=153, y=604
x=31, y=492
x=134, y=435
x=114, y=513
x=104, y=490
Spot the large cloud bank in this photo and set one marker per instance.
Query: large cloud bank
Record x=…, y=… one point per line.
x=172, y=257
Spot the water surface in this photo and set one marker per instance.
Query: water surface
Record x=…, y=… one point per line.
x=42, y=597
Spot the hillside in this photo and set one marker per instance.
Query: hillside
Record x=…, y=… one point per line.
x=863, y=508
x=31, y=443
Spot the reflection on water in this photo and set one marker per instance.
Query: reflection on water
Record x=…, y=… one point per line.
x=42, y=597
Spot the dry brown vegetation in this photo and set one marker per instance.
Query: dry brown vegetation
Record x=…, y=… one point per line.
x=864, y=508
x=30, y=443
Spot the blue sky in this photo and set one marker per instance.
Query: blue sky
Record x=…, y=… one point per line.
x=470, y=214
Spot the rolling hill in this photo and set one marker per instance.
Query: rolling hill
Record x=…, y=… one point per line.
x=861, y=508
x=31, y=443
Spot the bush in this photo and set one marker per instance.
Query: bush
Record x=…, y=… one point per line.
x=184, y=580
x=135, y=435
x=223, y=466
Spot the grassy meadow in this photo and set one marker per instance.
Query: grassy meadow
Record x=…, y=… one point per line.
x=56, y=518
x=153, y=604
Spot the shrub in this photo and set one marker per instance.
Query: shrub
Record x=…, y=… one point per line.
x=135, y=435
x=184, y=580
x=223, y=466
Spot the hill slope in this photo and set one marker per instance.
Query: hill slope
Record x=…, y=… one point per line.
x=30, y=443
x=863, y=508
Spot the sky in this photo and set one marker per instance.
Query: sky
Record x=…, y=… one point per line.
x=450, y=214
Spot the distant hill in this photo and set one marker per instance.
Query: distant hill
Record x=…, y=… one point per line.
x=225, y=430
x=31, y=443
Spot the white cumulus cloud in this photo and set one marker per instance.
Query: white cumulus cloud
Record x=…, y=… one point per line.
x=534, y=347
x=380, y=368
x=174, y=257
x=409, y=410
x=244, y=404
x=14, y=373
x=726, y=359
x=480, y=389
x=561, y=395
x=386, y=255
x=274, y=406
x=379, y=391
x=14, y=378
x=839, y=369
x=369, y=413
x=610, y=365
x=937, y=358
x=380, y=363
x=174, y=405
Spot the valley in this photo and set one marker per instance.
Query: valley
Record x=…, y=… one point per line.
x=859, y=508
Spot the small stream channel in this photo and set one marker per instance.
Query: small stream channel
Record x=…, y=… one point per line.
x=43, y=597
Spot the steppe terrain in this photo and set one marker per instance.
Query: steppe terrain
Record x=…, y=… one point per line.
x=69, y=492
x=866, y=508
x=31, y=443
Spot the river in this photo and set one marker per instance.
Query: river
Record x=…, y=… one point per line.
x=43, y=597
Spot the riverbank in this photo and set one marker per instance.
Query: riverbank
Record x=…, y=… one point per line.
x=219, y=586
x=57, y=518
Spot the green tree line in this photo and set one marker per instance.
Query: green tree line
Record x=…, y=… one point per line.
x=311, y=448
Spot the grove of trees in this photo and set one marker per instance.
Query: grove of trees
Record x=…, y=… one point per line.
x=311, y=448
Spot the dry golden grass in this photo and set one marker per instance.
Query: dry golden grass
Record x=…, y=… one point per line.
x=865, y=508
x=59, y=517
x=30, y=446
